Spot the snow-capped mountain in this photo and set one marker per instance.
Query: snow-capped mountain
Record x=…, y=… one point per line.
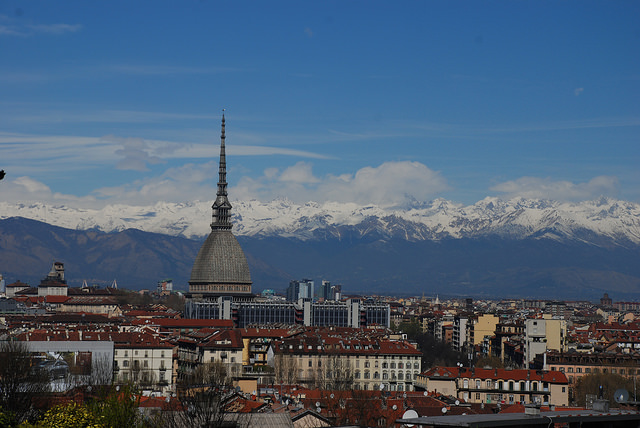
x=600, y=222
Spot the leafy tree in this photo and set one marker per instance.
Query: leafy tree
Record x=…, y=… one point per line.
x=437, y=353
x=117, y=405
x=490, y=362
x=111, y=407
x=7, y=419
x=413, y=329
x=590, y=384
x=70, y=415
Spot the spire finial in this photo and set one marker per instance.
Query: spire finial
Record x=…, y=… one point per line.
x=221, y=217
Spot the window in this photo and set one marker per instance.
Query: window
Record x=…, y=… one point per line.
x=310, y=363
x=125, y=363
x=570, y=369
x=578, y=369
x=587, y=370
x=477, y=395
x=376, y=375
x=478, y=384
x=146, y=364
x=366, y=364
x=564, y=389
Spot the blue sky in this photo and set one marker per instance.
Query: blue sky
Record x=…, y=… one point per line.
x=365, y=101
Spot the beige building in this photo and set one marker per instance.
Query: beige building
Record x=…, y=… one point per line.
x=497, y=385
x=335, y=363
x=484, y=325
x=142, y=359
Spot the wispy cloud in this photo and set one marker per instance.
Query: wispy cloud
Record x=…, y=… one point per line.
x=160, y=69
x=546, y=188
x=104, y=116
x=16, y=27
x=45, y=153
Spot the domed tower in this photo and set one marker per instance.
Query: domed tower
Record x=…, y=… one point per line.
x=220, y=267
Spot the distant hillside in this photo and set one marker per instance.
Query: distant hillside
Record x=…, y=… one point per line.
x=362, y=263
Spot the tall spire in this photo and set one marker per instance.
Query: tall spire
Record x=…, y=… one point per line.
x=221, y=217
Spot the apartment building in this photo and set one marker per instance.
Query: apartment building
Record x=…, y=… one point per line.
x=497, y=385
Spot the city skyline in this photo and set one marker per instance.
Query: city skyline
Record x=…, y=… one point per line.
x=375, y=102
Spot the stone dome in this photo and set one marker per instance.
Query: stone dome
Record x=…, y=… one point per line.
x=221, y=263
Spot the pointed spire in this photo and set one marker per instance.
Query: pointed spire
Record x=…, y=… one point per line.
x=221, y=217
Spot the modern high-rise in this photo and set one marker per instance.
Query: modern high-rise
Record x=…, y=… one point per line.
x=300, y=290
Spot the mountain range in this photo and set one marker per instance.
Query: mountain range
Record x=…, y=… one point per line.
x=507, y=248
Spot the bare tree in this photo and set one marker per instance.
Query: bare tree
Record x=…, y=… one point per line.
x=336, y=374
x=286, y=369
x=201, y=398
x=22, y=381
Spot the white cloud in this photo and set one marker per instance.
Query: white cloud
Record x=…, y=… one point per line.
x=25, y=189
x=546, y=188
x=578, y=91
x=389, y=184
x=299, y=173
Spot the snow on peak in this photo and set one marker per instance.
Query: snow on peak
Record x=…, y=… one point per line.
x=518, y=218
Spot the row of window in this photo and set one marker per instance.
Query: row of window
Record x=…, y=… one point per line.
x=136, y=364
x=499, y=384
x=385, y=375
x=135, y=352
x=146, y=377
x=620, y=371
